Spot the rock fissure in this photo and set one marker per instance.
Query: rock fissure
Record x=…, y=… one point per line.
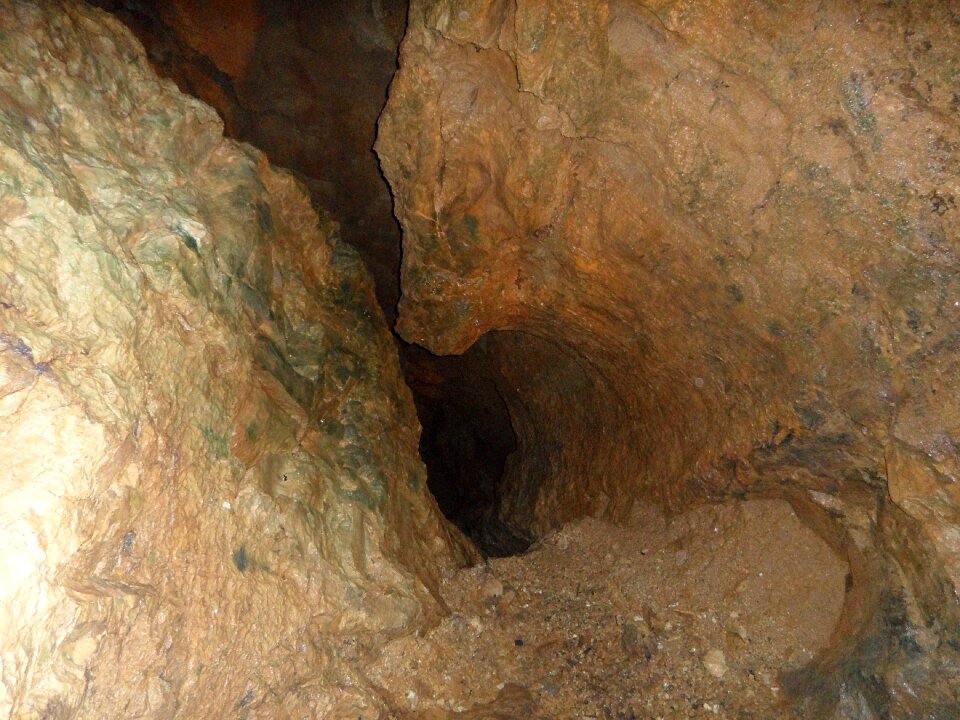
x=679, y=279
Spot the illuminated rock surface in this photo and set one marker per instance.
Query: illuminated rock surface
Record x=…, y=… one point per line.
x=211, y=489
x=720, y=243
x=695, y=258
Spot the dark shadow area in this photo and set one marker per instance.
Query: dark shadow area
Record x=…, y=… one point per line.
x=467, y=437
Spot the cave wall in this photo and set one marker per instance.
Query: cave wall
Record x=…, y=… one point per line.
x=718, y=244
x=212, y=503
x=700, y=250
x=302, y=81
x=743, y=236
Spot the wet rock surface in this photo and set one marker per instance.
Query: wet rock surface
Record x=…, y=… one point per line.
x=718, y=246
x=210, y=475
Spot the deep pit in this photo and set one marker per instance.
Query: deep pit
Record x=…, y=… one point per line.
x=676, y=311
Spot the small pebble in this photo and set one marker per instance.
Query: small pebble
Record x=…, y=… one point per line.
x=767, y=678
x=491, y=587
x=715, y=663
x=738, y=630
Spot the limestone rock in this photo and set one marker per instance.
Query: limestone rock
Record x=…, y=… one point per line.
x=211, y=485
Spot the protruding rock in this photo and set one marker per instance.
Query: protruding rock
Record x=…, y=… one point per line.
x=210, y=470
x=715, y=663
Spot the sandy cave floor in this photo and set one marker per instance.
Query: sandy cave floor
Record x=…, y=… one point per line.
x=691, y=617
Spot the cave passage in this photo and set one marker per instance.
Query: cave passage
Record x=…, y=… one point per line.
x=276, y=73
x=466, y=440
x=681, y=330
x=516, y=413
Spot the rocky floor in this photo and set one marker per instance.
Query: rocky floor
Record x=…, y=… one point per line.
x=690, y=617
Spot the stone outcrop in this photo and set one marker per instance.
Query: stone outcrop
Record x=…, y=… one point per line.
x=211, y=503
x=715, y=247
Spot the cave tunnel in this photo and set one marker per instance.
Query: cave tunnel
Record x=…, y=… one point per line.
x=491, y=359
x=466, y=440
x=342, y=74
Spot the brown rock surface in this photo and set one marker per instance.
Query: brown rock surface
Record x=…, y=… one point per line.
x=719, y=245
x=211, y=503
x=304, y=82
x=681, y=618
x=694, y=251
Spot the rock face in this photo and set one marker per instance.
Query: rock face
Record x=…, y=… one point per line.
x=211, y=502
x=304, y=82
x=719, y=246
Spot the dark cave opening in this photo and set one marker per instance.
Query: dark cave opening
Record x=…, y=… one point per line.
x=467, y=438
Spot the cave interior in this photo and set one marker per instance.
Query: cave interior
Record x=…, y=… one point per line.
x=655, y=278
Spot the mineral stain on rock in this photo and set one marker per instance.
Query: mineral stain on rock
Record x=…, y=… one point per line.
x=240, y=559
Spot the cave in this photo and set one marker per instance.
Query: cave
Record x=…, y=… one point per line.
x=466, y=440
x=492, y=359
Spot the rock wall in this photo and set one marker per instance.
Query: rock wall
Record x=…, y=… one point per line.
x=304, y=82
x=722, y=241
x=211, y=504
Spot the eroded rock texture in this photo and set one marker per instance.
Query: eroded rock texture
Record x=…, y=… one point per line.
x=211, y=499
x=304, y=82
x=723, y=241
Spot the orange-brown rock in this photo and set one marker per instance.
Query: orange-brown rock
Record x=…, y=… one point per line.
x=303, y=82
x=694, y=251
x=211, y=503
x=718, y=243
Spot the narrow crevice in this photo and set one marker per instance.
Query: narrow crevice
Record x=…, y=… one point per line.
x=467, y=438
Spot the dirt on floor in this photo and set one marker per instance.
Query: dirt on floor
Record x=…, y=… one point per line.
x=688, y=617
